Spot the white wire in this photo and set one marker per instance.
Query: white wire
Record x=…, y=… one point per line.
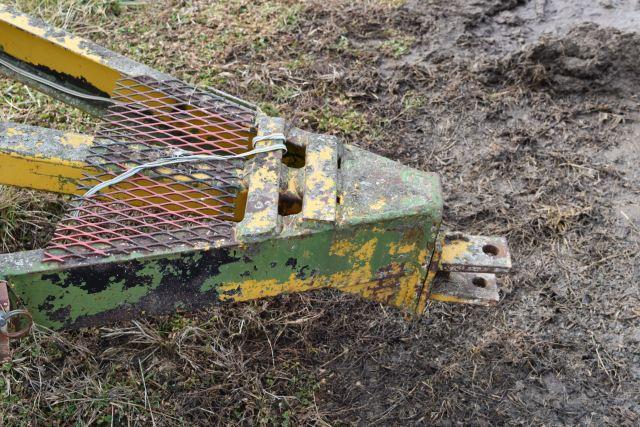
x=176, y=160
x=53, y=85
x=272, y=137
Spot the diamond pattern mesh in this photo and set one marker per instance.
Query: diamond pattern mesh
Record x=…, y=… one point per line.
x=165, y=207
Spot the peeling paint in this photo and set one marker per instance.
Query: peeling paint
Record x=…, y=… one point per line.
x=75, y=140
x=321, y=176
x=14, y=132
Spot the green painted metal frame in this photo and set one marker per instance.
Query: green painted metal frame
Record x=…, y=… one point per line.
x=379, y=247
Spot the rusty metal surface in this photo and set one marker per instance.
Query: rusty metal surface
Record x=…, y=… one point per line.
x=321, y=180
x=432, y=272
x=466, y=288
x=11, y=326
x=379, y=248
x=261, y=212
x=5, y=348
x=189, y=204
x=463, y=266
x=479, y=254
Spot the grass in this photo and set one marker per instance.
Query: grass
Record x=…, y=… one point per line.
x=26, y=218
x=347, y=122
x=397, y=47
x=523, y=160
x=70, y=14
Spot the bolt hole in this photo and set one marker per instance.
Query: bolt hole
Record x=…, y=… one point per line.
x=295, y=157
x=479, y=282
x=289, y=204
x=490, y=250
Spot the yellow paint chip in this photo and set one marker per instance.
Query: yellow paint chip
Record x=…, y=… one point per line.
x=379, y=204
x=454, y=250
x=14, y=132
x=76, y=140
x=341, y=248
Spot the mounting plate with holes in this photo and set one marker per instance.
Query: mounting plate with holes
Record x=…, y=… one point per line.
x=475, y=253
x=467, y=269
x=467, y=288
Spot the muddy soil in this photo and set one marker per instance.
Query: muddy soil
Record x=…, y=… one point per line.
x=543, y=118
x=532, y=118
x=529, y=111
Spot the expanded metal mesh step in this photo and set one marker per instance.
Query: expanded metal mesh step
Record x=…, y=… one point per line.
x=163, y=207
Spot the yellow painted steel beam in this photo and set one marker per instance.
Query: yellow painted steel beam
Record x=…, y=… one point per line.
x=31, y=41
x=56, y=58
x=31, y=47
x=53, y=175
x=42, y=159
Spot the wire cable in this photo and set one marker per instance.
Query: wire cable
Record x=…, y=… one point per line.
x=53, y=85
x=190, y=159
x=177, y=160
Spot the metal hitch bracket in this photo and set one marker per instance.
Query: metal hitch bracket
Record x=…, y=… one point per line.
x=189, y=196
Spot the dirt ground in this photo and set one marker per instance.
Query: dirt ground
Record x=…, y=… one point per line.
x=528, y=110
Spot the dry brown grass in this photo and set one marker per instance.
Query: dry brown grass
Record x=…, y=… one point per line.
x=548, y=167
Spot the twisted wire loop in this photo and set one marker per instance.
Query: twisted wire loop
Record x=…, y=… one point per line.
x=167, y=203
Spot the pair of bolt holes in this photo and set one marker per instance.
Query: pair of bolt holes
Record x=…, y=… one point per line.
x=490, y=250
